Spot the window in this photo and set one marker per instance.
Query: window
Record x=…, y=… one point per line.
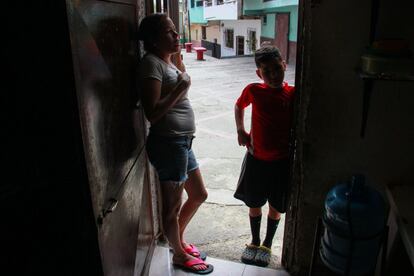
x=208, y=3
x=229, y=38
x=264, y=19
x=199, y=3
x=192, y=3
x=203, y=32
x=220, y=2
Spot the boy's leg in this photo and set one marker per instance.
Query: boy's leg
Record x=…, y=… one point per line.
x=273, y=219
x=255, y=216
x=197, y=194
x=249, y=253
x=264, y=252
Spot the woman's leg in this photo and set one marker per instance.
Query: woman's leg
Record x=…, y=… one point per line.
x=197, y=194
x=171, y=203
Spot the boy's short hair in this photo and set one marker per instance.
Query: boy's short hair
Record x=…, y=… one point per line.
x=266, y=53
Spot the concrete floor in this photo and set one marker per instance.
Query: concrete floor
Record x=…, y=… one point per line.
x=221, y=226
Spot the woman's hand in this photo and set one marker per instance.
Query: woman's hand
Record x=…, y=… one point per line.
x=154, y=106
x=178, y=62
x=183, y=82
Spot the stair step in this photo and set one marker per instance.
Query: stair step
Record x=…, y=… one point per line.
x=161, y=265
x=161, y=262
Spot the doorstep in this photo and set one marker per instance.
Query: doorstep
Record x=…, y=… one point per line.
x=161, y=265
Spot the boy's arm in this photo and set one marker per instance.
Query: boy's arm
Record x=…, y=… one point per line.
x=242, y=136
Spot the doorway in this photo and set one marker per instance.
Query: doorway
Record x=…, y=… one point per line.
x=239, y=45
x=221, y=225
x=212, y=95
x=251, y=41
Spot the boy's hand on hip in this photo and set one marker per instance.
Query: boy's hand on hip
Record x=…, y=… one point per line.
x=243, y=137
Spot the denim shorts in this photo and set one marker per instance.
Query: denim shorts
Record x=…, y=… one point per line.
x=172, y=157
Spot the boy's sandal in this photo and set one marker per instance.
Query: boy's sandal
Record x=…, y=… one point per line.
x=263, y=255
x=193, y=251
x=189, y=266
x=249, y=254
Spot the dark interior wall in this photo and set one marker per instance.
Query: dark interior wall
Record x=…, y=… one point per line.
x=329, y=145
x=48, y=224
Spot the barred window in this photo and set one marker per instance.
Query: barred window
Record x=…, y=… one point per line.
x=229, y=38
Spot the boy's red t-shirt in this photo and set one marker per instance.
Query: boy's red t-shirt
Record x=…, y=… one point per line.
x=271, y=119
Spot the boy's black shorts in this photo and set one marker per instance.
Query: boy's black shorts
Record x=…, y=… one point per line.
x=262, y=181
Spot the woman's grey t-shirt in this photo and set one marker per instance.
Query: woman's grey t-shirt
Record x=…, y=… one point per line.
x=179, y=120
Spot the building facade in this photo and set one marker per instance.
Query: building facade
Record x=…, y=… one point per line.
x=195, y=21
x=279, y=23
x=219, y=26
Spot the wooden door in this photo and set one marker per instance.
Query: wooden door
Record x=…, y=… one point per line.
x=105, y=55
x=239, y=45
x=282, y=34
x=76, y=200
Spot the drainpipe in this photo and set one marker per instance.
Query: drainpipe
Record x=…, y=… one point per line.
x=189, y=26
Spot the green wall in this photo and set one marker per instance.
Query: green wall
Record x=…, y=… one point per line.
x=269, y=29
x=259, y=4
x=270, y=9
x=196, y=15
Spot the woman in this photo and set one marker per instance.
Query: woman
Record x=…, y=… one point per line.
x=167, y=108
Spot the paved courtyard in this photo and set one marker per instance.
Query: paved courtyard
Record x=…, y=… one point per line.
x=221, y=226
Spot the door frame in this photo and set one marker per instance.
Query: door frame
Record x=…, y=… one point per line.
x=298, y=145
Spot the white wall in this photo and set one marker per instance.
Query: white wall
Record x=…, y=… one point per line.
x=196, y=34
x=221, y=12
x=213, y=32
x=240, y=28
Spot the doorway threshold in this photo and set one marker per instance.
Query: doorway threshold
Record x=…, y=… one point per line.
x=161, y=265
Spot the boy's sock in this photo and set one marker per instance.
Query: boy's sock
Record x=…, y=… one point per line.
x=270, y=231
x=255, y=228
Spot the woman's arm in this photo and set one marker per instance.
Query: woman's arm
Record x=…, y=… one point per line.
x=156, y=107
x=178, y=62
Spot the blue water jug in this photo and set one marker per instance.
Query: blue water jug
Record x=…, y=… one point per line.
x=354, y=220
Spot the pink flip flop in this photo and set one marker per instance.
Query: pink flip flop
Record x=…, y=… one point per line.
x=189, y=266
x=193, y=251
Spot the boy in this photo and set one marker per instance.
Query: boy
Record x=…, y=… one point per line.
x=265, y=171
